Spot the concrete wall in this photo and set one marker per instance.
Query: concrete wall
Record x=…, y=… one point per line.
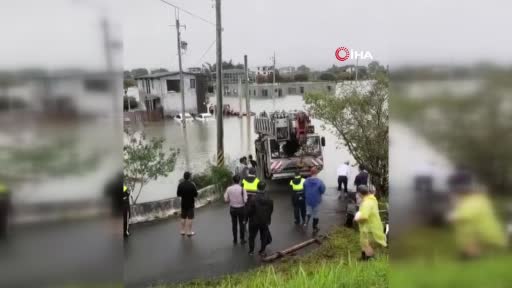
x=149, y=211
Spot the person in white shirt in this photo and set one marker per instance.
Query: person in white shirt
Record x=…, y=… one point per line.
x=343, y=173
x=236, y=196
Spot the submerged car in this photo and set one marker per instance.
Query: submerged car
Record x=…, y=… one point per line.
x=179, y=117
x=204, y=117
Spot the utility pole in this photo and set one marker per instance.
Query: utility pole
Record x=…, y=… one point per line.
x=246, y=88
x=182, y=82
x=240, y=96
x=357, y=64
x=247, y=104
x=274, y=81
x=114, y=82
x=219, y=110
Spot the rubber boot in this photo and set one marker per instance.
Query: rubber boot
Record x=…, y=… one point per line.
x=315, y=224
x=308, y=217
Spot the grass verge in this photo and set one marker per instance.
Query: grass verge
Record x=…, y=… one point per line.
x=332, y=264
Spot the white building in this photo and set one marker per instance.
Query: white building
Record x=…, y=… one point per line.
x=264, y=70
x=162, y=91
x=287, y=71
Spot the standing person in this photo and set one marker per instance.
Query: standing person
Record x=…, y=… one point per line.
x=115, y=192
x=477, y=227
x=362, y=177
x=250, y=183
x=252, y=162
x=126, y=211
x=242, y=168
x=236, y=196
x=4, y=210
x=188, y=192
x=371, y=229
x=298, y=199
x=342, y=172
x=260, y=216
x=314, y=188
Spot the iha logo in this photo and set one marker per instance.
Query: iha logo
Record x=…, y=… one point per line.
x=342, y=54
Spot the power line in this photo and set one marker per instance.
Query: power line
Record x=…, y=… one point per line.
x=189, y=13
x=204, y=54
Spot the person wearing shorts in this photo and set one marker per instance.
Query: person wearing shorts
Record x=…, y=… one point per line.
x=187, y=191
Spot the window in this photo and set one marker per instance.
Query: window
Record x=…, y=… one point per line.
x=264, y=92
x=192, y=83
x=312, y=146
x=173, y=85
x=152, y=85
x=329, y=88
x=292, y=90
x=301, y=89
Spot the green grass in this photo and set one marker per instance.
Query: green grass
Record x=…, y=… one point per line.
x=332, y=264
x=492, y=272
x=428, y=257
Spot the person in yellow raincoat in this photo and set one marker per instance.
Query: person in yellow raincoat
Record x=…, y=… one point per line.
x=476, y=225
x=371, y=229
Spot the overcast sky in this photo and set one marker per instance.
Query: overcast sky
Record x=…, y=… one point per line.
x=66, y=33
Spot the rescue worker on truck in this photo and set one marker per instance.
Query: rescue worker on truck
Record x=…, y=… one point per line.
x=4, y=209
x=298, y=199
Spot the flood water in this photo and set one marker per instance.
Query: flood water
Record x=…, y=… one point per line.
x=198, y=144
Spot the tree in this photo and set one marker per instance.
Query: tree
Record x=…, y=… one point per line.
x=301, y=77
x=360, y=120
x=139, y=72
x=327, y=77
x=145, y=161
x=303, y=69
x=375, y=68
x=158, y=70
x=474, y=131
x=344, y=76
x=127, y=83
x=127, y=74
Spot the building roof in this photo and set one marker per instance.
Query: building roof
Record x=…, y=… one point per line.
x=162, y=74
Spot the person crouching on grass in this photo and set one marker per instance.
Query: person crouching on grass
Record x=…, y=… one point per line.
x=370, y=226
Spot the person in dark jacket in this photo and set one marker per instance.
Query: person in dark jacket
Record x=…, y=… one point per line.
x=260, y=214
x=252, y=162
x=362, y=177
x=115, y=191
x=298, y=199
x=4, y=209
x=188, y=192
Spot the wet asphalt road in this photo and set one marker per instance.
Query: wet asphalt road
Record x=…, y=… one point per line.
x=156, y=253
x=86, y=252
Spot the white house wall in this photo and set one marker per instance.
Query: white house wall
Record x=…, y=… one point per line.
x=171, y=101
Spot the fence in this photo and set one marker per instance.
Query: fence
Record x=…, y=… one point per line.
x=143, y=116
x=165, y=208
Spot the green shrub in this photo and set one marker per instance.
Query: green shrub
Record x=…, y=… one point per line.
x=213, y=175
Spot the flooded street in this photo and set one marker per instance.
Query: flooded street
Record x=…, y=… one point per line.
x=198, y=142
